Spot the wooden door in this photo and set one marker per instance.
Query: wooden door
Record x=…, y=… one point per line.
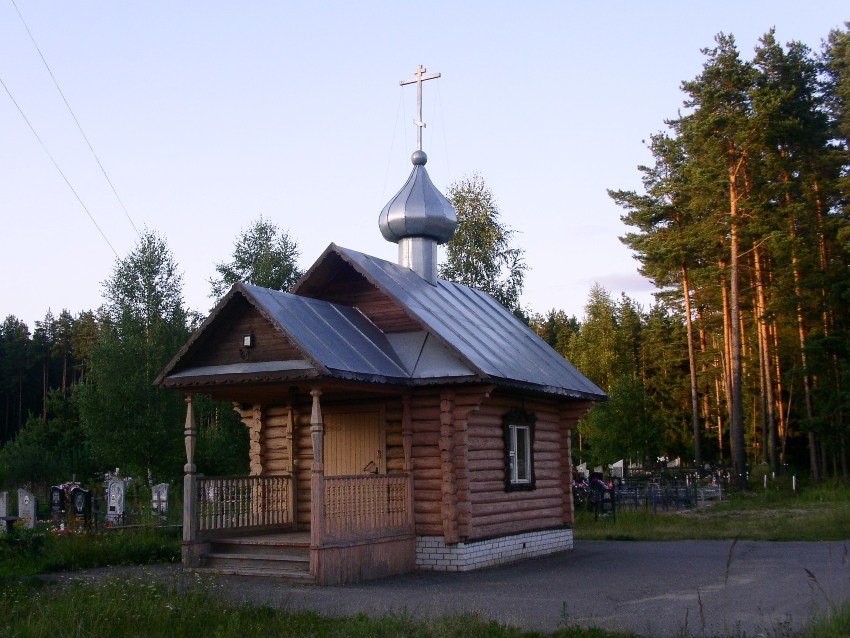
x=354, y=444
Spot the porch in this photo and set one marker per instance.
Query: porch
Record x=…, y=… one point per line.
x=360, y=526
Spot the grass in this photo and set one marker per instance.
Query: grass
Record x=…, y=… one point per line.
x=821, y=514
x=145, y=606
x=137, y=608
x=26, y=552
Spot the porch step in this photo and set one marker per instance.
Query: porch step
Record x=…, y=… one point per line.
x=279, y=556
x=258, y=547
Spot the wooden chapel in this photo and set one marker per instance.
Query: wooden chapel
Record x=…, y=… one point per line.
x=397, y=421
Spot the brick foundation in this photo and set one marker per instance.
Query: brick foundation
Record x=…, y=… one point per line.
x=433, y=554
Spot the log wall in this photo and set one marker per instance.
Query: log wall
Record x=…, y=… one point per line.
x=441, y=481
x=494, y=511
x=458, y=458
x=223, y=345
x=272, y=441
x=570, y=413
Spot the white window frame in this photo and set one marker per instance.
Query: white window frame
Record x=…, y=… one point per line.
x=518, y=432
x=519, y=439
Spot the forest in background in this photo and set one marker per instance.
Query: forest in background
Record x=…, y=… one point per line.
x=742, y=224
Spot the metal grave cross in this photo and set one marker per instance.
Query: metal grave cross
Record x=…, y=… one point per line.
x=419, y=79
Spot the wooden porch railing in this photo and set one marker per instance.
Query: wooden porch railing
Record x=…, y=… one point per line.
x=365, y=506
x=236, y=502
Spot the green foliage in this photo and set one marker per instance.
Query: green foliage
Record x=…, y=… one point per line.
x=14, y=370
x=480, y=254
x=130, y=422
x=556, y=329
x=594, y=349
x=38, y=551
x=605, y=346
x=87, y=384
x=742, y=224
x=48, y=451
x=222, y=444
x=629, y=425
x=263, y=255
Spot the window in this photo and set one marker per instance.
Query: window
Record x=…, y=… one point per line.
x=519, y=451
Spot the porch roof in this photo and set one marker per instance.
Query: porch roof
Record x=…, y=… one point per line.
x=334, y=341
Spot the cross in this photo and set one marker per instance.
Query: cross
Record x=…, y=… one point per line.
x=419, y=79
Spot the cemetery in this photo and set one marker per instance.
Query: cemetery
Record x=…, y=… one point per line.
x=115, y=503
x=660, y=489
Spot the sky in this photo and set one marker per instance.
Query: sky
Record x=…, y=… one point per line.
x=207, y=115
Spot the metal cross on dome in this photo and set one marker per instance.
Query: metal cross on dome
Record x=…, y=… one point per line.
x=419, y=79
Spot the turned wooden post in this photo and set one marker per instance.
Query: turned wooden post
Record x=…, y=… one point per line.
x=317, y=478
x=292, y=500
x=190, y=499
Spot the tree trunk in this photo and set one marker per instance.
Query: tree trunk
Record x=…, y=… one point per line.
x=736, y=417
x=703, y=347
x=801, y=333
x=686, y=291
x=782, y=425
x=768, y=400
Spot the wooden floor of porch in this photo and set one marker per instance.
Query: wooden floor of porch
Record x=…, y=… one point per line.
x=300, y=539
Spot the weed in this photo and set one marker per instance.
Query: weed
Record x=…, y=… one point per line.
x=29, y=552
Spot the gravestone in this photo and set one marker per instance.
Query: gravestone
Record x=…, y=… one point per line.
x=115, y=501
x=81, y=505
x=4, y=513
x=618, y=469
x=27, y=508
x=57, y=502
x=159, y=499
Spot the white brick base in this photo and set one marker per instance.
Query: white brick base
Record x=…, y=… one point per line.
x=433, y=554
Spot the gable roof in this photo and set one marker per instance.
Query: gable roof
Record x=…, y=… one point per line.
x=334, y=340
x=465, y=336
x=477, y=328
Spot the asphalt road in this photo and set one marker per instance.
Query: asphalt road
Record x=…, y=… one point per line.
x=702, y=588
x=651, y=588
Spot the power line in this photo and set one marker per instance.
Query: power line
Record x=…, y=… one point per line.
x=76, y=121
x=399, y=111
x=85, y=208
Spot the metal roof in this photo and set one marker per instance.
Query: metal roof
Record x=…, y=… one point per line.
x=337, y=338
x=482, y=332
x=465, y=336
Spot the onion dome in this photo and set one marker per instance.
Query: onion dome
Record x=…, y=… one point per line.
x=418, y=209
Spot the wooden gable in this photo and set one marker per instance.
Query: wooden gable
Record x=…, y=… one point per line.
x=221, y=343
x=332, y=279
